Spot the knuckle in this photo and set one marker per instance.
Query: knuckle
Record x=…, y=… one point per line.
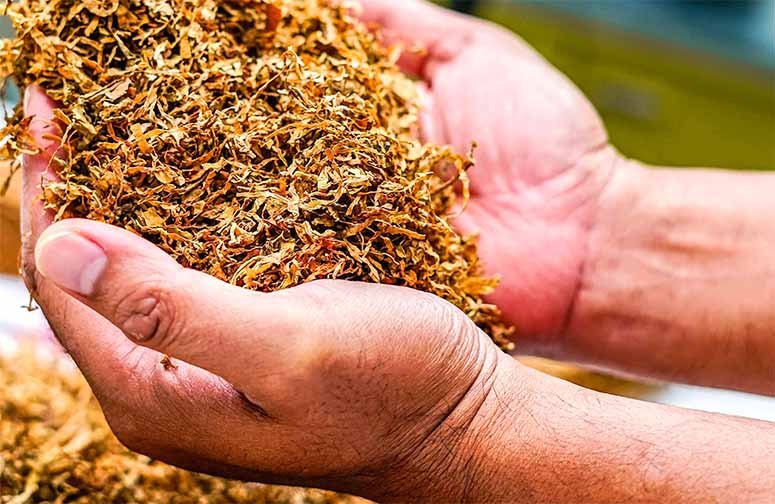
x=148, y=314
x=133, y=423
x=321, y=307
x=436, y=315
x=325, y=325
x=137, y=415
x=342, y=322
x=320, y=295
x=455, y=320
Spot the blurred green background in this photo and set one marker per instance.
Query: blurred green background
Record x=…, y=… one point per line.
x=689, y=83
x=678, y=82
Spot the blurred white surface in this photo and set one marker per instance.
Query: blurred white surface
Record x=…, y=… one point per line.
x=16, y=320
x=716, y=401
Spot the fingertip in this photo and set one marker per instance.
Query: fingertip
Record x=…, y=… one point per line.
x=44, y=129
x=37, y=103
x=70, y=260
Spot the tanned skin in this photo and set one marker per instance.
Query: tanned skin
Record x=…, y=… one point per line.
x=393, y=394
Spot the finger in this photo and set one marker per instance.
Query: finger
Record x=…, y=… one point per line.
x=430, y=34
x=146, y=405
x=44, y=132
x=100, y=350
x=185, y=416
x=430, y=116
x=177, y=415
x=65, y=315
x=159, y=304
x=43, y=128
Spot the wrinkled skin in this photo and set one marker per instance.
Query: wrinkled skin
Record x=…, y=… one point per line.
x=353, y=387
x=335, y=384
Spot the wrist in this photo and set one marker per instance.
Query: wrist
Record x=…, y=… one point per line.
x=618, y=231
x=679, y=265
x=614, y=206
x=462, y=457
x=493, y=456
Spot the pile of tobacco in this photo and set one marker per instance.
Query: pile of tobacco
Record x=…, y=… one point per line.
x=268, y=143
x=55, y=446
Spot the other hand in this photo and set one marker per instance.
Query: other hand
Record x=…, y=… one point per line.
x=543, y=156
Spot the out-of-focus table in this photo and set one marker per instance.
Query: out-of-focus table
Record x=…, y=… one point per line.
x=16, y=321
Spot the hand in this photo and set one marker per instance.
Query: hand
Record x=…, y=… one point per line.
x=543, y=157
x=366, y=389
x=604, y=261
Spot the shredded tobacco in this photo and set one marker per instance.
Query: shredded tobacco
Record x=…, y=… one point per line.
x=55, y=446
x=268, y=143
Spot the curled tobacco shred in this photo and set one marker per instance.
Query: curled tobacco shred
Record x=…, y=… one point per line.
x=268, y=143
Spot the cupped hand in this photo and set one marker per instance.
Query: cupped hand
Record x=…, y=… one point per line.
x=368, y=389
x=345, y=386
x=542, y=161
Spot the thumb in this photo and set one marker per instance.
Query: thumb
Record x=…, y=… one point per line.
x=161, y=305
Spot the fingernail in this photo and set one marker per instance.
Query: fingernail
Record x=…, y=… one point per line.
x=28, y=98
x=26, y=101
x=35, y=101
x=70, y=261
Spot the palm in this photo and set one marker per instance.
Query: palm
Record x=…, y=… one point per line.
x=542, y=161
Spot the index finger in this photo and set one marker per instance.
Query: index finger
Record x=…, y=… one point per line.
x=46, y=134
x=64, y=314
x=101, y=352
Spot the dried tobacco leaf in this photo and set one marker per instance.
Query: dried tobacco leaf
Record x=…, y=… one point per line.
x=55, y=446
x=268, y=143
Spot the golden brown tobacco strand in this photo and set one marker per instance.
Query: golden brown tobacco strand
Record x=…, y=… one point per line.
x=266, y=143
x=55, y=446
